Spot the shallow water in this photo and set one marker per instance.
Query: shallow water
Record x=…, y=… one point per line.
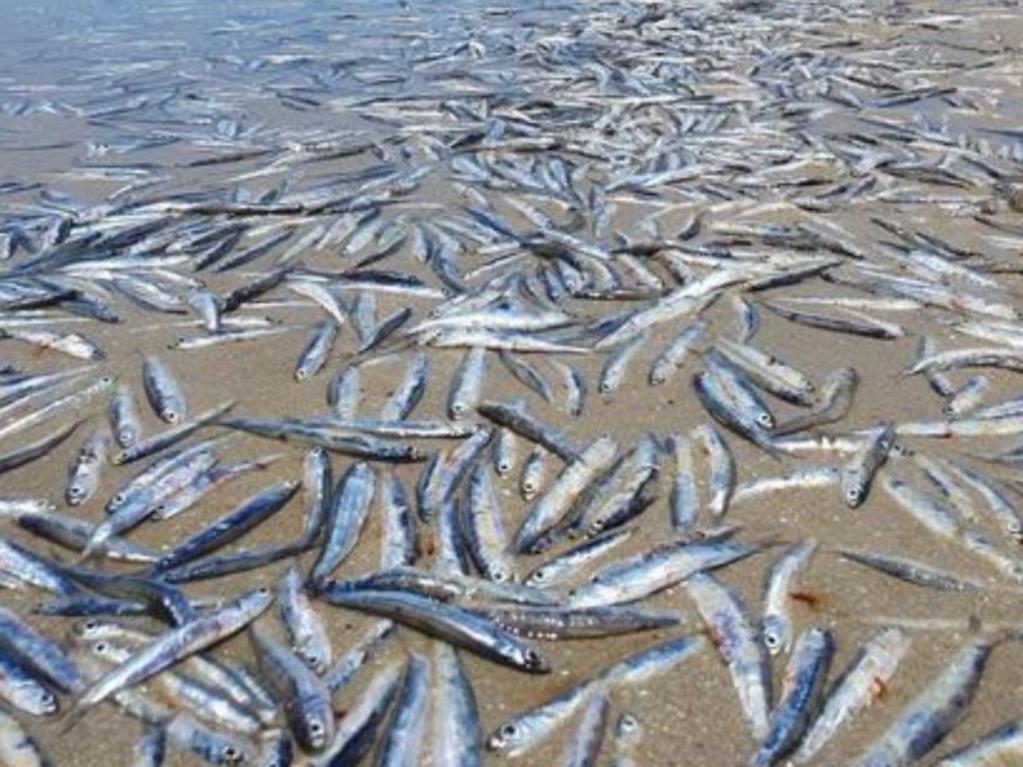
x=110, y=109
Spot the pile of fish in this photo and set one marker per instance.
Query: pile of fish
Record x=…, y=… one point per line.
x=499, y=301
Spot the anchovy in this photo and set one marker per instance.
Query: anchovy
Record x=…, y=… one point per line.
x=75, y=534
x=631, y=489
x=184, y=692
x=163, y=390
x=749, y=318
x=955, y=359
x=736, y=389
x=437, y=484
x=551, y=507
x=38, y=652
x=1001, y=746
x=398, y=544
x=912, y=572
x=313, y=357
x=71, y=344
x=449, y=585
x=401, y=743
x=527, y=730
x=967, y=398
x=802, y=478
x=467, y=384
x=352, y=499
x=719, y=404
x=136, y=501
x=181, y=431
x=576, y=389
x=305, y=697
x=483, y=528
x=801, y=689
x=32, y=451
x=927, y=719
x=210, y=745
x=20, y=688
x=409, y=392
x=670, y=359
x=17, y=747
x=533, y=473
x=308, y=634
x=187, y=639
x=858, y=473
x=556, y=622
x=463, y=627
x=84, y=472
x=34, y=569
x=737, y=641
x=343, y=392
x=73, y=401
x=237, y=561
x=721, y=464
x=522, y=423
x=996, y=498
x=457, y=738
x=939, y=384
x=326, y=436
x=586, y=743
x=231, y=526
x=354, y=736
x=616, y=364
x=418, y=429
x=505, y=452
x=779, y=584
x=833, y=403
x=527, y=375
x=656, y=569
x=317, y=488
x=205, y=483
x=856, y=324
x=568, y=563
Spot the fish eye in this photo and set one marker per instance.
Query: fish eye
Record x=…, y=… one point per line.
x=627, y=723
x=263, y=591
x=91, y=625
x=106, y=379
x=509, y=731
x=316, y=727
x=772, y=640
x=539, y=575
x=533, y=659
x=100, y=647
x=232, y=754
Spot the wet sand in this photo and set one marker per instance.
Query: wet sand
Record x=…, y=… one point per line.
x=689, y=716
